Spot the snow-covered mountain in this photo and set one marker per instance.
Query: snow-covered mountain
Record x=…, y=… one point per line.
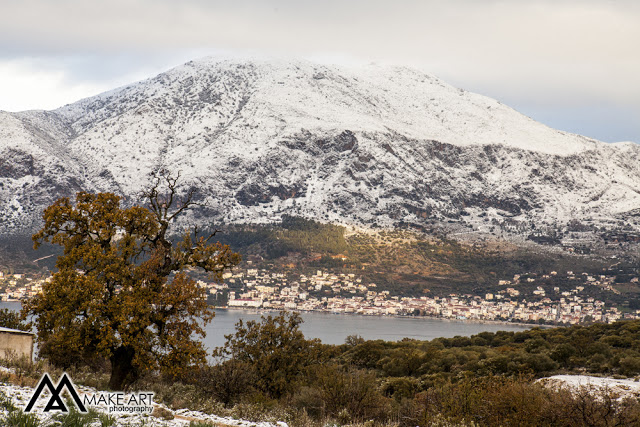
x=362, y=146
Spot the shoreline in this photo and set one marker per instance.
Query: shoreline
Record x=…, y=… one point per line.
x=396, y=316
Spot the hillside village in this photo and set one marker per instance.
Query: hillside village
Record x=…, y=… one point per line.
x=346, y=293
x=17, y=286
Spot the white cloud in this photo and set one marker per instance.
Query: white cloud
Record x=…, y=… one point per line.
x=572, y=47
x=24, y=87
x=47, y=83
x=540, y=53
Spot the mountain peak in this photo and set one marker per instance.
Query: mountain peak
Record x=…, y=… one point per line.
x=364, y=145
x=361, y=98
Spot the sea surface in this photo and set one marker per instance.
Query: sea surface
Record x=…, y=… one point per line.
x=334, y=328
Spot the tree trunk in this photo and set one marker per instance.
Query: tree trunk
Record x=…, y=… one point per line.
x=123, y=372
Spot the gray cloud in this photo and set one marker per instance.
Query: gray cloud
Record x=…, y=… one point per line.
x=544, y=55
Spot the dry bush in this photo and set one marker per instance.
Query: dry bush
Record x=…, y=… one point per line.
x=228, y=382
x=503, y=401
x=350, y=395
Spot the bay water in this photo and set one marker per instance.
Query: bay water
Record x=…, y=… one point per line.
x=335, y=328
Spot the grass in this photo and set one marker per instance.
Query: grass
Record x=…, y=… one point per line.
x=18, y=418
x=28, y=373
x=6, y=403
x=74, y=418
x=14, y=416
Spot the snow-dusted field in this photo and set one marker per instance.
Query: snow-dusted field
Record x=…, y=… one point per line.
x=20, y=397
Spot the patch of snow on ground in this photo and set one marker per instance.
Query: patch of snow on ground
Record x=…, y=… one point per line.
x=20, y=397
x=621, y=388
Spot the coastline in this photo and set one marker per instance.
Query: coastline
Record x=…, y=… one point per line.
x=395, y=316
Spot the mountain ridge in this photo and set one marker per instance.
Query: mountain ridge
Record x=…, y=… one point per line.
x=372, y=146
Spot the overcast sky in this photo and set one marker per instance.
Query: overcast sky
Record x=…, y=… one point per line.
x=572, y=64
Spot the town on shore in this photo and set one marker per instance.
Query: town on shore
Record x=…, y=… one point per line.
x=345, y=293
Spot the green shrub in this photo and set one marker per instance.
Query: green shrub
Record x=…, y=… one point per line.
x=350, y=391
x=274, y=349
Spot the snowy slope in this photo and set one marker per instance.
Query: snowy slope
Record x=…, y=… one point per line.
x=351, y=145
x=20, y=397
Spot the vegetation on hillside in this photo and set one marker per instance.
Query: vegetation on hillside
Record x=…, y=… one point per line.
x=488, y=379
x=269, y=371
x=408, y=263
